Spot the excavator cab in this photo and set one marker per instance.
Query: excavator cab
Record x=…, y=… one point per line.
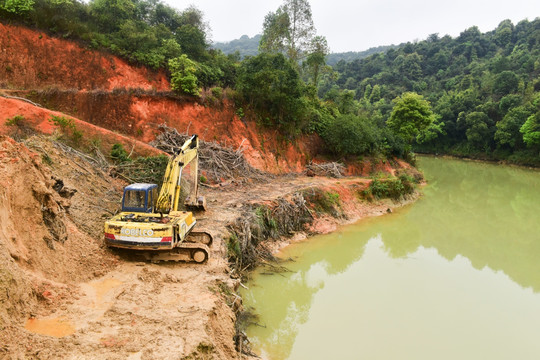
x=140, y=198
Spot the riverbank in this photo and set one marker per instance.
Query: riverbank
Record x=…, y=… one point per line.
x=532, y=165
x=354, y=209
x=314, y=206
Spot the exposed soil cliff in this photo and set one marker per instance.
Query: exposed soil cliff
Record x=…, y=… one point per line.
x=33, y=60
x=139, y=114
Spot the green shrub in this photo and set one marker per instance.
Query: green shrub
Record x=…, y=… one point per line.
x=15, y=121
x=351, y=135
x=323, y=201
x=395, y=188
x=266, y=222
x=119, y=155
x=378, y=188
x=233, y=248
x=217, y=92
x=407, y=182
x=183, y=78
x=67, y=128
x=240, y=112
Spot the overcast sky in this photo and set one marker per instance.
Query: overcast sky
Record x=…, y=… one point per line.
x=350, y=25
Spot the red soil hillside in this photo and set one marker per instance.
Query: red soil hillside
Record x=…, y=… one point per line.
x=37, y=233
x=140, y=115
x=105, y=91
x=33, y=60
x=38, y=119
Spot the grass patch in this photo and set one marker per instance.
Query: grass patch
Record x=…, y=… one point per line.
x=390, y=188
x=323, y=202
x=17, y=120
x=68, y=129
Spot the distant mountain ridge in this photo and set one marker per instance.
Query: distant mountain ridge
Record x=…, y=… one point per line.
x=349, y=56
x=249, y=46
x=246, y=46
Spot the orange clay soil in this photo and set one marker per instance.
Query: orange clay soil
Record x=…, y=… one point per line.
x=37, y=119
x=33, y=60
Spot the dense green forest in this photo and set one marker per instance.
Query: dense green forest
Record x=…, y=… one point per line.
x=483, y=87
x=474, y=95
x=333, y=58
x=277, y=87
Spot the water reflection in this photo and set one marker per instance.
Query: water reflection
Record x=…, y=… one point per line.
x=448, y=271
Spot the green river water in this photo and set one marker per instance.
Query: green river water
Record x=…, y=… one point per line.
x=455, y=275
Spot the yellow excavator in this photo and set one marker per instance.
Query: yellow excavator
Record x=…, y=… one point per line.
x=154, y=224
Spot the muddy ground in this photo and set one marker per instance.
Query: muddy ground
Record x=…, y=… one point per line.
x=66, y=296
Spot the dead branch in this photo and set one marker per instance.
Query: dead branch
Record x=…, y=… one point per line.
x=330, y=169
x=20, y=98
x=220, y=163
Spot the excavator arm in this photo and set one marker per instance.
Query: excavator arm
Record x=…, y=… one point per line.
x=169, y=195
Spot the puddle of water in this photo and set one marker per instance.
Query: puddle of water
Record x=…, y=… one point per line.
x=57, y=327
x=104, y=286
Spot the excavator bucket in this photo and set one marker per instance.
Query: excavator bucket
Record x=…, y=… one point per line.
x=195, y=205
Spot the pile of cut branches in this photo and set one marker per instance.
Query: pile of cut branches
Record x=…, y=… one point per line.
x=248, y=233
x=330, y=169
x=141, y=170
x=219, y=162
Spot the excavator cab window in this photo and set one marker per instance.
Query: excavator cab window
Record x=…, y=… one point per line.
x=135, y=199
x=139, y=198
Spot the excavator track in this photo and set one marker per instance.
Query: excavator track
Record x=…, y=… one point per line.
x=201, y=237
x=185, y=252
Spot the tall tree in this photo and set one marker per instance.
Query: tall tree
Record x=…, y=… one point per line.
x=316, y=60
x=275, y=31
x=411, y=114
x=192, y=33
x=531, y=130
x=290, y=30
x=272, y=85
x=111, y=14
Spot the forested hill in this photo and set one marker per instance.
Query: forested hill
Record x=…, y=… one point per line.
x=483, y=87
x=249, y=46
x=333, y=58
x=245, y=46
